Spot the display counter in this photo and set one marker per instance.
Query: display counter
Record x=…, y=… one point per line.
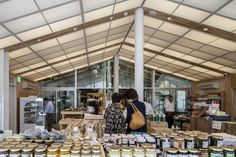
x=205, y=125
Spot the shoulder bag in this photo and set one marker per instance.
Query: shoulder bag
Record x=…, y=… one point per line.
x=137, y=119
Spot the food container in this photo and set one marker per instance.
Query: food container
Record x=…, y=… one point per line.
x=126, y=152
x=194, y=153
x=150, y=152
x=48, y=142
x=52, y=152
x=165, y=143
x=40, y=152
x=141, y=141
x=27, y=152
x=86, y=155
x=204, y=152
x=152, y=142
x=57, y=145
x=64, y=152
x=38, y=141
x=75, y=153
x=229, y=152
x=114, y=152
x=171, y=152
x=158, y=140
x=96, y=155
x=138, y=152
x=132, y=142
x=216, y=152
x=189, y=142
x=85, y=150
x=125, y=142
x=178, y=143
x=33, y=145
x=15, y=152
x=217, y=141
x=4, y=152
x=182, y=153
x=203, y=142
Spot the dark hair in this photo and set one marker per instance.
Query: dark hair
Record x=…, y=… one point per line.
x=131, y=94
x=116, y=98
x=45, y=99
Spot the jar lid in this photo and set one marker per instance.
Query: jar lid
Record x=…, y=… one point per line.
x=15, y=149
x=96, y=150
x=218, y=137
x=67, y=145
x=86, y=144
x=69, y=142
x=142, y=140
x=145, y=145
x=138, y=149
x=27, y=149
x=151, y=140
x=171, y=150
x=39, y=141
x=65, y=149
x=216, y=149
x=115, y=149
x=96, y=146
x=33, y=145
x=150, y=149
x=193, y=151
x=56, y=145
x=183, y=150
x=4, y=149
x=77, y=144
x=52, y=149
x=85, y=151
x=127, y=149
x=189, y=138
x=179, y=139
x=75, y=151
x=40, y=149
x=203, y=137
x=228, y=148
x=21, y=145
x=48, y=141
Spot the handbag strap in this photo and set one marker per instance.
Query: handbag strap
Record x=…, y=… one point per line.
x=135, y=109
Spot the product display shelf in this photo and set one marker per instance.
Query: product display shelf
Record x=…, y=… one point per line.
x=65, y=114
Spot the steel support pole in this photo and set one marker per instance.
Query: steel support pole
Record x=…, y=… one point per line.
x=116, y=74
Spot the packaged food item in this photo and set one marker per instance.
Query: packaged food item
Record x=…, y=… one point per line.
x=139, y=152
x=229, y=152
x=152, y=142
x=132, y=142
x=15, y=152
x=64, y=152
x=204, y=152
x=215, y=152
x=178, y=143
x=4, y=152
x=171, y=152
x=114, y=152
x=194, y=153
x=27, y=152
x=203, y=142
x=189, y=142
x=165, y=143
x=52, y=151
x=40, y=152
x=183, y=153
x=141, y=141
x=158, y=140
x=75, y=153
x=217, y=141
x=126, y=152
x=150, y=152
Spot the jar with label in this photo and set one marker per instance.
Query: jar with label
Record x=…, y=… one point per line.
x=183, y=153
x=172, y=137
x=194, y=153
x=152, y=142
x=158, y=141
x=85, y=150
x=52, y=152
x=48, y=142
x=229, y=152
x=97, y=146
x=150, y=152
x=139, y=152
x=203, y=142
x=38, y=141
x=171, y=152
x=64, y=152
x=27, y=152
x=96, y=155
x=33, y=145
x=215, y=152
x=86, y=155
x=125, y=142
x=217, y=141
x=57, y=145
x=126, y=152
x=96, y=150
x=132, y=142
x=178, y=143
x=165, y=143
x=114, y=152
x=189, y=142
x=141, y=141
x=4, y=152
x=75, y=153
x=204, y=152
x=40, y=152
x=15, y=152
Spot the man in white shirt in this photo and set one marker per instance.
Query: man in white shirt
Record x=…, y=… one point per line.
x=149, y=108
x=49, y=110
x=169, y=110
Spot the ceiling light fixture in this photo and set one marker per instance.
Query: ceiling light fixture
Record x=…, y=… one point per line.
x=75, y=29
x=111, y=17
x=152, y=13
x=126, y=13
x=205, y=29
x=39, y=40
x=169, y=18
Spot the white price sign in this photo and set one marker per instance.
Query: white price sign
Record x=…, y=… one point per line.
x=217, y=125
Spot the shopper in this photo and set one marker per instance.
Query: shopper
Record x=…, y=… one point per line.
x=114, y=117
x=132, y=97
x=169, y=110
x=149, y=108
x=49, y=110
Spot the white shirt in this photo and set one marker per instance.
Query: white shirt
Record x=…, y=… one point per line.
x=149, y=108
x=169, y=107
x=49, y=107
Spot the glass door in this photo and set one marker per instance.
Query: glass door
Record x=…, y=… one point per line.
x=181, y=101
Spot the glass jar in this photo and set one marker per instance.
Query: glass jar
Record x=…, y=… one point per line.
x=64, y=152
x=15, y=152
x=189, y=142
x=152, y=142
x=172, y=137
x=27, y=152
x=229, y=152
x=96, y=155
x=114, y=152
x=158, y=140
x=4, y=152
x=86, y=155
x=52, y=152
x=96, y=146
x=85, y=150
x=217, y=141
x=126, y=152
x=57, y=145
x=38, y=141
x=165, y=143
x=204, y=152
x=75, y=153
x=139, y=152
x=193, y=153
x=215, y=152
x=125, y=142
x=183, y=153
x=48, y=142
x=171, y=152
x=33, y=145
x=141, y=141
x=178, y=143
x=96, y=150
x=150, y=152
x=203, y=142
x=40, y=152
x=132, y=142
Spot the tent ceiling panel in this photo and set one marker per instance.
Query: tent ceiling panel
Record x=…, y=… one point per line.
x=213, y=65
x=224, y=44
x=221, y=23
x=32, y=61
x=16, y=66
x=78, y=59
x=191, y=13
x=120, y=29
x=122, y=21
x=90, y=5
x=182, y=64
x=166, y=59
x=96, y=53
x=64, y=66
x=157, y=61
x=20, y=70
x=200, y=37
x=12, y=62
x=49, y=51
x=192, y=59
x=230, y=56
x=130, y=40
x=20, y=52
x=53, y=55
x=222, y=61
x=99, y=13
x=229, y=10
x=149, y=31
x=213, y=73
x=70, y=37
x=76, y=53
x=146, y=58
x=44, y=45
x=12, y=9
x=174, y=67
x=23, y=24
x=109, y=43
x=153, y=47
x=173, y=29
x=126, y=5
x=97, y=42
x=152, y=22
x=112, y=37
x=198, y=69
x=229, y=70
x=62, y=12
x=202, y=55
x=213, y=50
x=28, y=74
x=63, y=24
x=96, y=47
x=4, y=32
x=158, y=42
x=160, y=5
x=189, y=43
x=97, y=28
x=60, y=64
x=191, y=71
x=165, y=36
x=132, y=35
x=4, y=42
x=37, y=65
x=57, y=59
x=26, y=57
x=180, y=48
x=34, y=33
x=46, y=4
x=185, y=73
x=148, y=54
x=73, y=44
x=80, y=63
x=173, y=53
x=44, y=69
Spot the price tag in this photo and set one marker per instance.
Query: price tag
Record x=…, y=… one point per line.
x=217, y=125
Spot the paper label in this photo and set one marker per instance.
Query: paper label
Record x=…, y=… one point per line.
x=40, y=155
x=165, y=144
x=219, y=143
x=190, y=145
x=205, y=144
x=216, y=125
x=3, y=155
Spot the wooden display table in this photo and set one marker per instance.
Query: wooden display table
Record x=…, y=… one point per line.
x=65, y=114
